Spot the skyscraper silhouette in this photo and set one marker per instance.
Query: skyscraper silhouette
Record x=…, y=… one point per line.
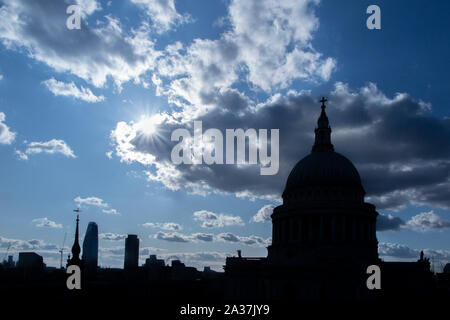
x=90, y=247
x=131, y=252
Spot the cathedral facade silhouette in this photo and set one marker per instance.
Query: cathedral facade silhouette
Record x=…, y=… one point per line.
x=323, y=238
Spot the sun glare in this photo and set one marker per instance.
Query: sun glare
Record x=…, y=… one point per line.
x=148, y=125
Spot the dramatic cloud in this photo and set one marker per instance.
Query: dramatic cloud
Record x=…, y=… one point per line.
x=169, y=226
x=427, y=221
x=91, y=53
x=112, y=236
x=389, y=223
x=263, y=214
x=51, y=146
x=45, y=222
x=162, y=13
x=267, y=44
x=59, y=88
x=401, y=151
x=216, y=220
x=6, y=135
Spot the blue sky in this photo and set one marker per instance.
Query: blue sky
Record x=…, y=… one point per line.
x=73, y=104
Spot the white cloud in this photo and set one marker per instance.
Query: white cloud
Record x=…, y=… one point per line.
x=217, y=220
x=112, y=236
x=91, y=201
x=1, y=77
x=172, y=237
x=206, y=237
x=252, y=240
x=45, y=222
x=59, y=88
x=88, y=7
x=52, y=146
x=96, y=202
x=110, y=211
x=169, y=226
x=6, y=135
x=397, y=250
x=16, y=245
x=268, y=44
x=163, y=13
x=427, y=221
x=21, y=155
x=392, y=251
x=263, y=214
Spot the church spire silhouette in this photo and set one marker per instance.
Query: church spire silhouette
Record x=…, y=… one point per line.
x=323, y=131
x=76, y=249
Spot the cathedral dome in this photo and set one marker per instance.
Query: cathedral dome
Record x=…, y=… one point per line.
x=324, y=173
x=323, y=218
x=327, y=168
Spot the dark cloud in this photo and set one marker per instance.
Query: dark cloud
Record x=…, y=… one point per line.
x=388, y=223
x=400, y=149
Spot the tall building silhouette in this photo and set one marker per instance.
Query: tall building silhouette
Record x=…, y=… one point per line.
x=90, y=247
x=131, y=252
x=76, y=250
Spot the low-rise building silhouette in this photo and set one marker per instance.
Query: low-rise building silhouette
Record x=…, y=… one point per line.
x=30, y=260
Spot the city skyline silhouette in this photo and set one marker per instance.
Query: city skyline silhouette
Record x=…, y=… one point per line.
x=240, y=150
